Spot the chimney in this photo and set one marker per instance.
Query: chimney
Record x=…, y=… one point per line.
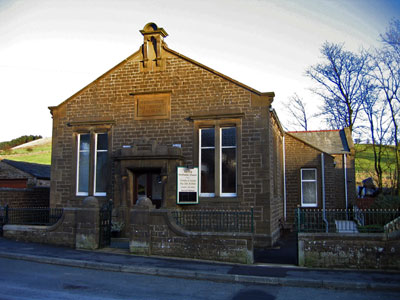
x=153, y=38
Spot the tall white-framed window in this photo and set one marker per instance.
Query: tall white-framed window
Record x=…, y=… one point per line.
x=207, y=162
x=92, y=161
x=228, y=162
x=83, y=165
x=218, y=161
x=309, y=188
x=100, y=164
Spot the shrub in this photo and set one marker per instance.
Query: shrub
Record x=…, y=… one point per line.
x=386, y=202
x=370, y=228
x=117, y=226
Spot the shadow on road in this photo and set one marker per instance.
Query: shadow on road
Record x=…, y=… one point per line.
x=253, y=295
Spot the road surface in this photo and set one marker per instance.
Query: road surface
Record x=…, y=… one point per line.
x=28, y=280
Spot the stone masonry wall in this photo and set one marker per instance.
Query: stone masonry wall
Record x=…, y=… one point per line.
x=351, y=184
x=62, y=233
x=194, y=90
x=28, y=198
x=153, y=232
x=77, y=228
x=361, y=251
x=275, y=208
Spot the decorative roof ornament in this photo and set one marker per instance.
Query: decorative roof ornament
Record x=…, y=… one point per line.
x=152, y=28
x=153, y=39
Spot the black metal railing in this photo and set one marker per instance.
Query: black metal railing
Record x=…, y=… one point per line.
x=342, y=220
x=30, y=216
x=215, y=220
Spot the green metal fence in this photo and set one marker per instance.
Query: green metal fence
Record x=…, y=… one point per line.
x=30, y=216
x=215, y=220
x=342, y=220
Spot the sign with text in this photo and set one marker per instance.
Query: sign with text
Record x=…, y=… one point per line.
x=187, y=185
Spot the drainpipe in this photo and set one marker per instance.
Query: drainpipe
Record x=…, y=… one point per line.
x=345, y=181
x=284, y=179
x=323, y=191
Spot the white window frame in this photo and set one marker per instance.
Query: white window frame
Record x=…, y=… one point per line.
x=309, y=180
x=92, y=152
x=220, y=162
x=95, y=193
x=77, y=167
x=200, y=152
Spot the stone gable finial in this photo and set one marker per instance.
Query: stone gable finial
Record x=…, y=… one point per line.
x=152, y=29
x=153, y=38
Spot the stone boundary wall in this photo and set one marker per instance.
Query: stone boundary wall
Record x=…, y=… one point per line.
x=28, y=198
x=355, y=251
x=77, y=228
x=392, y=229
x=154, y=232
x=63, y=233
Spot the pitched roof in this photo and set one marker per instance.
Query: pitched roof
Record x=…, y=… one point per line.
x=330, y=141
x=37, y=170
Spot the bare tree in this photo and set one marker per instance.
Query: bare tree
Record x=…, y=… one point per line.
x=343, y=83
x=379, y=130
x=391, y=38
x=387, y=75
x=297, y=108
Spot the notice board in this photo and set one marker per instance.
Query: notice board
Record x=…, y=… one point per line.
x=187, y=185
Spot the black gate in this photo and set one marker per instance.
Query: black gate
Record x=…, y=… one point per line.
x=105, y=225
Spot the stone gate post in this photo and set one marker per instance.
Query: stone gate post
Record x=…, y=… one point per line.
x=88, y=224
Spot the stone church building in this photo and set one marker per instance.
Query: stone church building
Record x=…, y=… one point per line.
x=123, y=137
x=125, y=134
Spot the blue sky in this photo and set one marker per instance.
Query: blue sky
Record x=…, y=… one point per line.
x=50, y=49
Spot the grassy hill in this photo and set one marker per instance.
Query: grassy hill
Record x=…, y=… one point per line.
x=365, y=163
x=40, y=153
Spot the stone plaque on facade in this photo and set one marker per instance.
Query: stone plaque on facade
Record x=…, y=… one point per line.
x=187, y=185
x=152, y=106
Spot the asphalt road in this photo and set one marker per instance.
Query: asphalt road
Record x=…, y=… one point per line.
x=28, y=280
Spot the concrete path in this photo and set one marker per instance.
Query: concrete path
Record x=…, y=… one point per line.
x=192, y=269
x=284, y=251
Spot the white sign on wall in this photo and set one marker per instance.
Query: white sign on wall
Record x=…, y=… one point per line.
x=187, y=185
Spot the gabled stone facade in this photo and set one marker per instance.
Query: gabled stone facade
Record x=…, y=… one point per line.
x=145, y=117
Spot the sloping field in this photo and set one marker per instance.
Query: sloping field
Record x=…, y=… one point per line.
x=365, y=164
x=38, y=151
